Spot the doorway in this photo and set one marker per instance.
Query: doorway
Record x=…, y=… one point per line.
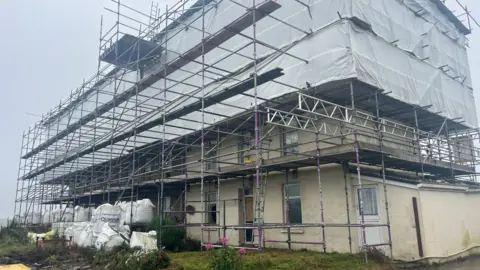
x=371, y=214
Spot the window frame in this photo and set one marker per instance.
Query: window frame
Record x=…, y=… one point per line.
x=294, y=145
x=286, y=214
x=208, y=205
x=211, y=155
x=374, y=203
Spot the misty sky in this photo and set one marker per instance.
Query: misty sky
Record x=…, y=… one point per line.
x=48, y=47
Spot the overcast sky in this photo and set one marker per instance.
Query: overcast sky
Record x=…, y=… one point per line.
x=48, y=47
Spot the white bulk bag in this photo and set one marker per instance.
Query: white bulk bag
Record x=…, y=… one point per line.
x=145, y=241
x=36, y=218
x=127, y=208
x=75, y=231
x=143, y=211
x=108, y=238
x=80, y=214
x=86, y=238
x=106, y=213
x=62, y=215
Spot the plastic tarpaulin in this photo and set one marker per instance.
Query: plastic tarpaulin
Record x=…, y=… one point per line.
x=406, y=47
x=419, y=57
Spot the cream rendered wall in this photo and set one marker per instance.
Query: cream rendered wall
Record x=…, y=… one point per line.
x=450, y=221
x=229, y=194
x=334, y=209
x=401, y=215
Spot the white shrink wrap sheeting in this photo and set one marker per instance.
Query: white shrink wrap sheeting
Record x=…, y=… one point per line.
x=145, y=241
x=106, y=214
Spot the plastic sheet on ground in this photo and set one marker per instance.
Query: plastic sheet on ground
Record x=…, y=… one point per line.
x=145, y=241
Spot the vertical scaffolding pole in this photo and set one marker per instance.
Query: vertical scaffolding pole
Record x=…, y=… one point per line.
x=217, y=213
x=417, y=135
x=320, y=190
x=23, y=180
x=257, y=128
x=359, y=178
x=117, y=84
x=45, y=173
x=347, y=204
x=449, y=146
x=18, y=179
x=134, y=152
x=380, y=138
x=287, y=210
x=202, y=145
x=164, y=111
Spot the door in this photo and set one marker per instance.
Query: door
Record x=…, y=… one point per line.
x=246, y=216
x=249, y=218
x=373, y=235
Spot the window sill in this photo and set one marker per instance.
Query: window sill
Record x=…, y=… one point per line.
x=294, y=231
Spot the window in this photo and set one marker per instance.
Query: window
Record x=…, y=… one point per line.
x=210, y=159
x=293, y=203
x=211, y=207
x=149, y=164
x=241, y=153
x=290, y=142
x=166, y=206
x=369, y=198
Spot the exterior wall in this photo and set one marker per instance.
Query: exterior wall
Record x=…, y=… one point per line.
x=334, y=210
x=401, y=215
x=450, y=221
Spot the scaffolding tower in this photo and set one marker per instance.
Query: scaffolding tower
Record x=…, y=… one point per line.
x=159, y=117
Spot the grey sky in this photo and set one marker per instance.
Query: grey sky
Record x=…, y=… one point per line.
x=48, y=47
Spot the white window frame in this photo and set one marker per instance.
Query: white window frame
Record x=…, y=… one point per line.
x=377, y=208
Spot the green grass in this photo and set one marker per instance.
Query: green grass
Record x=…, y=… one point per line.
x=279, y=259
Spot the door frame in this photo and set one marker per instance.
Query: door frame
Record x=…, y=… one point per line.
x=369, y=219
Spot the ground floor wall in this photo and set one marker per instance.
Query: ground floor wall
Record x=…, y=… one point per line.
x=446, y=219
x=451, y=221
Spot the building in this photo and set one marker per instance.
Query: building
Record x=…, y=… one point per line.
x=333, y=125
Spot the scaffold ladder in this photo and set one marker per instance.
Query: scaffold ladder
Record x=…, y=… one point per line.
x=153, y=20
x=260, y=199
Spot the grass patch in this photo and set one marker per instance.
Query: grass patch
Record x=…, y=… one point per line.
x=279, y=259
